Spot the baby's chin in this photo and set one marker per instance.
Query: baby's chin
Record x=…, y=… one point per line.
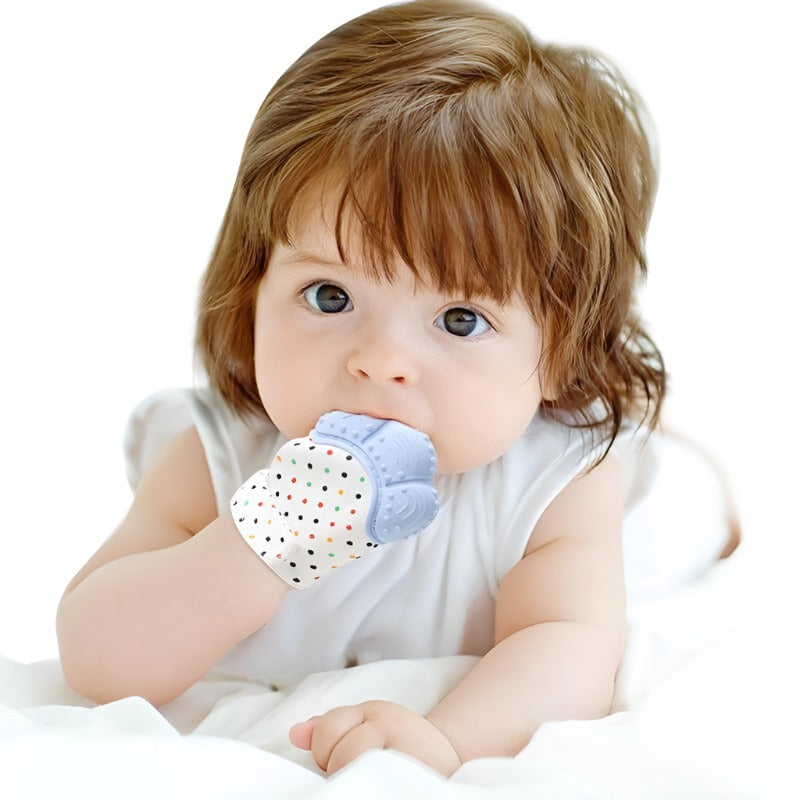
x=456, y=458
x=459, y=467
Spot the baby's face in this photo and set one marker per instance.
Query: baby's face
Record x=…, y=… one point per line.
x=328, y=337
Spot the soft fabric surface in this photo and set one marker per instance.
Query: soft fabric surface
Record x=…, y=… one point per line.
x=707, y=707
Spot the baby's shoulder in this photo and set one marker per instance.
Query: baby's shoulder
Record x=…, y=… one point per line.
x=177, y=488
x=155, y=423
x=233, y=447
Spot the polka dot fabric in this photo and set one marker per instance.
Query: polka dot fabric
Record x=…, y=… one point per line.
x=306, y=514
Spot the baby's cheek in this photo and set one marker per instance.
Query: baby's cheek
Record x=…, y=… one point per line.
x=292, y=417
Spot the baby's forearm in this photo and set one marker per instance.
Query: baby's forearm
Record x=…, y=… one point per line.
x=153, y=623
x=550, y=671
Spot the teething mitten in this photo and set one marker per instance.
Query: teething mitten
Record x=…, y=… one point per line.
x=352, y=484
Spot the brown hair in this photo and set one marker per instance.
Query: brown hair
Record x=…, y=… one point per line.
x=488, y=162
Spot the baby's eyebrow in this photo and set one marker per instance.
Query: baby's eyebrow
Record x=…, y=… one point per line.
x=307, y=257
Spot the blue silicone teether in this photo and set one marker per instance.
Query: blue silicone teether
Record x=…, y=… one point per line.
x=401, y=462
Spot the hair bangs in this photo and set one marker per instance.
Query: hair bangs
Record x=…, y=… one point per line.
x=421, y=182
x=424, y=193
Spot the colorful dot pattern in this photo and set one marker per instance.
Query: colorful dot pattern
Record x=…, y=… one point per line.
x=307, y=514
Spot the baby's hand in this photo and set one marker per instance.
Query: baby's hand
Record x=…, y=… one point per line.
x=340, y=736
x=354, y=483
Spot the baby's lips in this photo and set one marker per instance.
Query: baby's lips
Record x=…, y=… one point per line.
x=401, y=462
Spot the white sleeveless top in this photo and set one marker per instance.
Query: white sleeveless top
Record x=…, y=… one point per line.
x=430, y=595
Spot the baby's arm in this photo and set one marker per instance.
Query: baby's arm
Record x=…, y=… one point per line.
x=560, y=627
x=157, y=606
x=176, y=586
x=559, y=638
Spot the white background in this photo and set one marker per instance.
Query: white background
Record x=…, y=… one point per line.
x=122, y=128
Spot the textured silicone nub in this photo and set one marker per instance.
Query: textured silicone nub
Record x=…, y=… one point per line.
x=401, y=462
x=353, y=484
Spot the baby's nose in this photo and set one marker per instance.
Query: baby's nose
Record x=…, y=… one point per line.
x=384, y=357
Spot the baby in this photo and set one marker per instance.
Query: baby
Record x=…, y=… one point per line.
x=437, y=229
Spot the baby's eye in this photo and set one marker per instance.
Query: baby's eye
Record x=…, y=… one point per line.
x=462, y=322
x=328, y=298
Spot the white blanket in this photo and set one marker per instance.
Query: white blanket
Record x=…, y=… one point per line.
x=707, y=707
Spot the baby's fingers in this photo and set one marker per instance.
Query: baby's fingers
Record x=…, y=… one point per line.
x=301, y=733
x=366, y=736
x=330, y=732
